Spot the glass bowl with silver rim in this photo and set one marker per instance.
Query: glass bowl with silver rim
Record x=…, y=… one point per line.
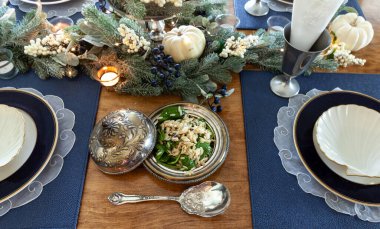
x=219, y=150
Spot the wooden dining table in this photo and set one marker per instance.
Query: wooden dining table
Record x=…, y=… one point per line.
x=97, y=212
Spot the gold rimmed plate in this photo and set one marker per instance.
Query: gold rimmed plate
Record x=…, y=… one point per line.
x=303, y=140
x=47, y=134
x=289, y=2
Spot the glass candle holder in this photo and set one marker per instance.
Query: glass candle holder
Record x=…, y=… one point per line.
x=277, y=23
x=60, y=23
x=108, y=76
x=7, y=69
x=227, y=21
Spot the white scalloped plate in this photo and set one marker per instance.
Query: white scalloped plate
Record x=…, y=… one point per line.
x=340, y=169
x=349, y=135
x=26, y=150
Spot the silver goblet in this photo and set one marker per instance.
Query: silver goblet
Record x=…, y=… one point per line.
x=256, y=8
x=295, y=62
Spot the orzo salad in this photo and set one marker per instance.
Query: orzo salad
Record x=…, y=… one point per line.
x=184, y=142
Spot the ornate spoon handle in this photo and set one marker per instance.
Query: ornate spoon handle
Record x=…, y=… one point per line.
x=118, y=198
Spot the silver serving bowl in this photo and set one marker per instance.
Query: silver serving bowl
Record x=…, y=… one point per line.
x=121, y=141
x=219, y=154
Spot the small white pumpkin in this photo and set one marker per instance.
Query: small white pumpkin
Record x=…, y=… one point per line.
x=183, y=43
x=353, y=30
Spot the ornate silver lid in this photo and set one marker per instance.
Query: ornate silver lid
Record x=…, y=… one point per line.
x=121, y=141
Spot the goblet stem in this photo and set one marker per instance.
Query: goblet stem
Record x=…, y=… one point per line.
x=284, y=86
x=256, y=8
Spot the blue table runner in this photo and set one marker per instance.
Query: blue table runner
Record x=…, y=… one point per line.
x=59, y=203
x=276, y=199
x=248, y=21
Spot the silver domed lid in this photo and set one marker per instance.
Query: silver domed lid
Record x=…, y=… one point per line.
x=121, y=141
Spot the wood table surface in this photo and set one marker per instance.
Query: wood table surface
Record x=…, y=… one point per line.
x=97, y=212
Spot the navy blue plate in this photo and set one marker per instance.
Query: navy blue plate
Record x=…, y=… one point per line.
x=47, y=135
x=303, y=139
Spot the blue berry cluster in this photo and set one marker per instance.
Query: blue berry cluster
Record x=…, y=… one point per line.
x=164, y=68
x=220, y=93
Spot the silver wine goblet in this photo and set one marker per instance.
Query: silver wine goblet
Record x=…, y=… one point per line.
x=295, y=62
x=256, y=8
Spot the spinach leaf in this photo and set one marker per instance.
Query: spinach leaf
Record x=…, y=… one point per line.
x=165, y=157
x=171, y=113
x=187, y=162
x=168, y=166
x=170, y=145
x=207, y=149
x=176, y=159
x=161, y=136
x=160, y=150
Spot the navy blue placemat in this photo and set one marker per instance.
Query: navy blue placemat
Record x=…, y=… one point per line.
x=58, y=205
x=276, y=199
x=248, y=21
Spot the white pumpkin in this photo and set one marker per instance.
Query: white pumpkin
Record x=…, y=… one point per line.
x=353, y=30
x=183, y=43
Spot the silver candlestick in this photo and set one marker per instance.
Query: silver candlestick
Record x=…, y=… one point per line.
x=256, y=8
x=295, y=62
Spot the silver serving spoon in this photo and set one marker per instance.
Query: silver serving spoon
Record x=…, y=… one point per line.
x=207, y=199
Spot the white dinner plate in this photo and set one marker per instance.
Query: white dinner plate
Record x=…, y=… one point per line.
x=26, y=150
x=340, y=169
x=45, y=3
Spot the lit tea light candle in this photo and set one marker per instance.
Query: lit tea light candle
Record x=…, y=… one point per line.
x=60, y=23
x=108, y=76
x=59, y=26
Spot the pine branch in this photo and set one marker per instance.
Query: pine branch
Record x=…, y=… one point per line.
x=137, y=89
x=152, y=9
x=20, y=60
x=325, y=64
x=135, y=8
x=101, y=28
x=33, y=24
x=190, y=66
x=138, y=67
x=46, y=67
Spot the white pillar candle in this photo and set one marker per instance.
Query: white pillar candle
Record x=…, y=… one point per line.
x=309, y=20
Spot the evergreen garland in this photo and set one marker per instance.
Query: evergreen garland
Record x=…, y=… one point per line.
x=95, y=41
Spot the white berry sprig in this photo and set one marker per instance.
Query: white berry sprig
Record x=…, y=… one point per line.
x=130, y=39
x=344, y=57
x=238, y=46
x=49, y=45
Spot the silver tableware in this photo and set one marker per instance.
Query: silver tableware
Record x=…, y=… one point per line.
x=256, y=8
x=155, y=25
x=295, y=62
x=219, y=154
x=156, y=29
x=207, y=199
x=121, y=141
